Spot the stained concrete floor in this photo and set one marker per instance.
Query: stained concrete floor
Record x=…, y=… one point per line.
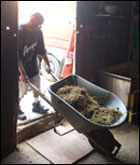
x=127, y=135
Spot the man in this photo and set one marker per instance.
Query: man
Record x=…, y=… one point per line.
x=31, y=44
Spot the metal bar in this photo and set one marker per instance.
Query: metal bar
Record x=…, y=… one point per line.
x=118, y=145
x=56, y=131
x=55, y=78
x=38, y=92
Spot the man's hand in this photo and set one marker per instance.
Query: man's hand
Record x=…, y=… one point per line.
x=48, y=69
x=23, y=77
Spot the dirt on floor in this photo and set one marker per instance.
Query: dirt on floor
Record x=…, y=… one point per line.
x=127, y=135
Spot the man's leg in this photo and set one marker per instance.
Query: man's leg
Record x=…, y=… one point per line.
x=22, y=91
x=36, y=97
x=37, y=107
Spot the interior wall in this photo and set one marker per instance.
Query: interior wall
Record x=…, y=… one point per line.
x=102, y=38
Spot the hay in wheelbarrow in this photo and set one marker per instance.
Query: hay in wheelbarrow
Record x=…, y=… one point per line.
x=88, y=105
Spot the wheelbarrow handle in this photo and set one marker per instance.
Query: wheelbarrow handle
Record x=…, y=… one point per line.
x=54, y=77
x=32, y=86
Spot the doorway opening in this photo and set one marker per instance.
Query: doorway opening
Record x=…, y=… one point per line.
x=59, y=23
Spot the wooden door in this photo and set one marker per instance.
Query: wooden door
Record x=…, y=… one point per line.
x=102, y=39
x=9, y=79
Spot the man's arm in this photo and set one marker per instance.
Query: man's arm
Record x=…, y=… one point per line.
x=45, y=58
x=42, y=51
x=22, y=76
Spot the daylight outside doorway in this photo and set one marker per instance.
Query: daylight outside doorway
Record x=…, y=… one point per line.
x=57, y=29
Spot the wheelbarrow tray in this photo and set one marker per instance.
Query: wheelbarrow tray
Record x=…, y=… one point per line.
x=73, y=116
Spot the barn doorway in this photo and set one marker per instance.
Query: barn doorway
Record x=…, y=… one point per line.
x=59, y=22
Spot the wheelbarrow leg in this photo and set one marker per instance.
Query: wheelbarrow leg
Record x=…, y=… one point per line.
x=56, y=131
x=103, y=141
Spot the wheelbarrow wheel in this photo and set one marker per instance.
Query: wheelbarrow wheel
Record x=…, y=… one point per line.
x=103, y=137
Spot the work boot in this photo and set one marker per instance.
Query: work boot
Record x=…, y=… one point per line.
x=37, y=107
x=21, y=115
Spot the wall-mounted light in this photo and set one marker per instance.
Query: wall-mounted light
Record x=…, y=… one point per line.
x=7, y=27
x=15, y=35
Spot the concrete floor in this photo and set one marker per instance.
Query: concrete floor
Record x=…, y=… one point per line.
x=127, y=135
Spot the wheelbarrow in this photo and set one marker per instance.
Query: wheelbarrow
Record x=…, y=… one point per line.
x=98, y=135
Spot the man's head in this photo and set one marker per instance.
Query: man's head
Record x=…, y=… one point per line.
x=36, y=20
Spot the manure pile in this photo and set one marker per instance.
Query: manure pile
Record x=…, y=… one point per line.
x=89, y=106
